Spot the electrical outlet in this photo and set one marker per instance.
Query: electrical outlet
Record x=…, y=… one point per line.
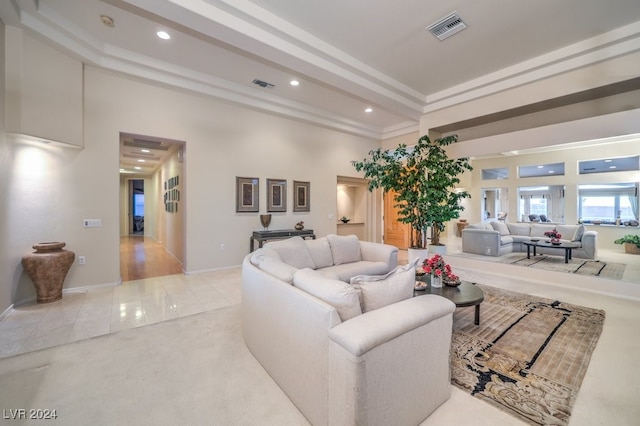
x=221, y=247
x=82, y=260
x=92, y=223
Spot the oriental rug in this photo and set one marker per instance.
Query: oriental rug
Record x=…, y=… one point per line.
x=528, y=356
x=595, y=268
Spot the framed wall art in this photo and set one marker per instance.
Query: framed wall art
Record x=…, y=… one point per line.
x=301, y=196
x=276, y=195
x=247, y=195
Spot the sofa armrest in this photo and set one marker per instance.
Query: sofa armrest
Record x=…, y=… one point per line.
x=376, y=252
x=589, y=243
x=481, y=241
x=391, y=365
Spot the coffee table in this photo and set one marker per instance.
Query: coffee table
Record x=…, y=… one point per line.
x=567, y=247
x=466, y=294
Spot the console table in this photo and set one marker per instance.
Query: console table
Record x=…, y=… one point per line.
x=262, y=236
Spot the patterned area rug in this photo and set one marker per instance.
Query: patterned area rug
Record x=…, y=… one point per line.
x=528, y=356
x=594, y=268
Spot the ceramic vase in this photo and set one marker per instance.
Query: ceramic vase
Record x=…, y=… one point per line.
x=265, y=220
x=48, y=267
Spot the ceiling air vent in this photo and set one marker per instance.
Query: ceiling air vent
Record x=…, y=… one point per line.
x=448, y=26
x=263, y=83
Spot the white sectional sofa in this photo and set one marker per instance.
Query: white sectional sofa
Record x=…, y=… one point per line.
x=497, y=238
x=366, y=353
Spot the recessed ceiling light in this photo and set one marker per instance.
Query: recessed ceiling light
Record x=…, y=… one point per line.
x=294, y=83
x=541, y=167
x=551, y=171
x=138, y=168
x=613, y=167
x=140, y=161
x=145, y=150
x=163, y=35
x=607, y=161
x=368, y=110
x=107, y=20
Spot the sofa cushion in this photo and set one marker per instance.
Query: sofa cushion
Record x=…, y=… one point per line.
x=344, y=248
x=345, y=271
x=500, y=227
x=377, y=291
x=292, y=251
x=538, y=230
x=320, y=252
x=519, y=229
x=278, y=269
x=577, y=236
x=258, y=256
x=342, y=296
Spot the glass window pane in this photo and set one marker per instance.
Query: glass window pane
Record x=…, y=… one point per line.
x=539, y=170
x=490, y=174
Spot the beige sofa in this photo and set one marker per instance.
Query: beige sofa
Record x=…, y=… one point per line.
x=497, y=238
x=305, y=324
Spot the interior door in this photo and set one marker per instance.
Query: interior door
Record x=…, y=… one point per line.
x=395, y=233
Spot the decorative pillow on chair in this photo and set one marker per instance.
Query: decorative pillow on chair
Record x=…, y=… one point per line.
x=377, y=291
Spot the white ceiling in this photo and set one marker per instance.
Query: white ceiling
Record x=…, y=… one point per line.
x=347, y=55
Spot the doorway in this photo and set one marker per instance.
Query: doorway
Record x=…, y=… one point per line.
x=136, y=213
x=152, y=207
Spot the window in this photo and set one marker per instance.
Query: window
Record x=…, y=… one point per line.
x=606, y=203
x=539, y=170
x=490, y=174
x=607, y=165
x=543, y=203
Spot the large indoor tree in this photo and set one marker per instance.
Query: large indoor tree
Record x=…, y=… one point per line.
x=424, y=181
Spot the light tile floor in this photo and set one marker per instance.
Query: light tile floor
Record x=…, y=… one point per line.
x=94, y=312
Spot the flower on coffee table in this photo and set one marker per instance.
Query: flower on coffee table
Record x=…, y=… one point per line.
x=436, y=266
x=554, y=235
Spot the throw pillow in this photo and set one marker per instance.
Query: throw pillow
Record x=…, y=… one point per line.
x=344, y=248
x=501, y=227
x=578, y=234
x=320, y=252
x=342, y=296
x=381, y=290
x=293, y=251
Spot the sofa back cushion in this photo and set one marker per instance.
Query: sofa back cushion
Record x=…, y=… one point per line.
x=501, y=227
x=377, y=291
x=278, y=269
x=342, y=296
x=522, y=229
x=538, y=230
x=568, y=231
x=258, y=256
x=292, y=251
x=344, y=248
x=577, y=236
x=320, y=252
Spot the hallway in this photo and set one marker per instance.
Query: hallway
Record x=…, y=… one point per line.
x=143, y=257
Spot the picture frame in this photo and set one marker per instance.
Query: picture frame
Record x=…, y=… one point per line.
x=247, y=194
x=276, y=195
x=301, y=196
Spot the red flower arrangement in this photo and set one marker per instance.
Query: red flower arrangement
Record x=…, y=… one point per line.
x=554, y=235
x=436, y=266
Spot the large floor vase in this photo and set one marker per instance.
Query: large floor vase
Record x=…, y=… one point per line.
x=48, y=267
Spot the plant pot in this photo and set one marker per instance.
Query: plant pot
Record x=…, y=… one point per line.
x=441, y=250
x=631, y=248
x=47, y=267
x=418, y=253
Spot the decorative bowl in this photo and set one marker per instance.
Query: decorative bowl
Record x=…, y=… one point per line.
x=535, y=240
x=420, y=286
x=449, y=283
x=556, y=243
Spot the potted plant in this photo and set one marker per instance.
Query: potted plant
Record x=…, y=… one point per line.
x=345, y=219
x=423, y=179
x=631, y=243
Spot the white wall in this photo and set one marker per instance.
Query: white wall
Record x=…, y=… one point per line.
x=47, y=190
